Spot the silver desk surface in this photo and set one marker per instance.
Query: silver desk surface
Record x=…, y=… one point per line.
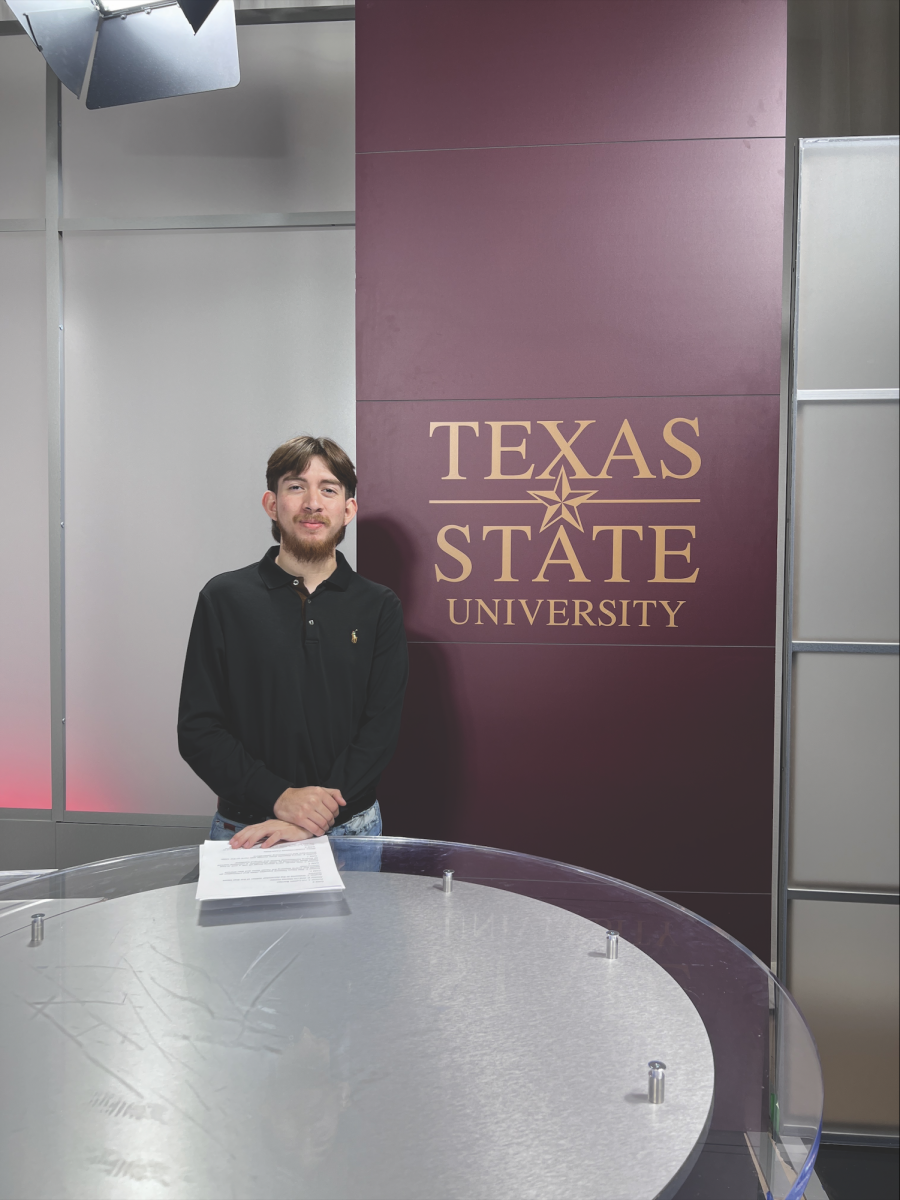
x=396, y=1042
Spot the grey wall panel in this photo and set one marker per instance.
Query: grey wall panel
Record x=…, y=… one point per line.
x=24, y=594
x=26, y=844
x=22, y=154
x=282, y=141
x=78, y=843
x=844, y=780
x=842, y=68
x=842, y=971
x=847, y=293
x=190, y=356
x=846, y=567
x=842, y=817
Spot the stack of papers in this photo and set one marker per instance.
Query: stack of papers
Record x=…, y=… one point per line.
x=294, y=867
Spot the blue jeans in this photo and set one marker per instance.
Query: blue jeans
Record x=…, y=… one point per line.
x=363, y=856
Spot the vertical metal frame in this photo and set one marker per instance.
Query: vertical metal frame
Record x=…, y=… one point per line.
x=784, y=790
x=784, y=440
x=55, y=384
x=787, y=633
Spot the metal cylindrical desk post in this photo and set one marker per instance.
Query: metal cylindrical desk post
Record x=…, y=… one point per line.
x=448, y=882
x=656, y=1081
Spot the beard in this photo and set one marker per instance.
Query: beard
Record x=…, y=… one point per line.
x=310, y=551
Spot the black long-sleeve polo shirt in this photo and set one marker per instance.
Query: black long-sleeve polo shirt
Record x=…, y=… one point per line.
x=282, y=690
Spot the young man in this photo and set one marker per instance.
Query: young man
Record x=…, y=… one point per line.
x=295, y=669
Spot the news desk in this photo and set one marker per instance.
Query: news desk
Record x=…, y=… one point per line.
x=403, y=1039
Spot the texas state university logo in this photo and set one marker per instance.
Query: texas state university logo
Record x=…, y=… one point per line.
x=557, y=522
x=647, y=521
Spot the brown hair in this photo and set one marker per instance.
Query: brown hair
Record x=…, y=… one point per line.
x=293, y=457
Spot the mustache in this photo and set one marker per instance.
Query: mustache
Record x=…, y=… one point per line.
x=319, y=519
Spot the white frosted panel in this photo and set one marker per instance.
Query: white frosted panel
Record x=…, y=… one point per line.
x=842, y=970
x=844, y=783
x=24, y=594
x=22, y=155
x=847, y=272
x=281, y=141
x=189, y=357
x=846, y=567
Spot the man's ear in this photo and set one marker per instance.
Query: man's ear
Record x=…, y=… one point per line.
x=352, y=508
x=269, y=502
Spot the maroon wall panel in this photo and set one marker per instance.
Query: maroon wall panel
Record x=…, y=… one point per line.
x=613, y=270
x=632, y=761
x=445, y=74
x=569, y=221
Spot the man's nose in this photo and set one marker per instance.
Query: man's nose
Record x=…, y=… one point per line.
x=313, y=504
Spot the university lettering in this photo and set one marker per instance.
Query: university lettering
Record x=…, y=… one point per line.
x=601, y=614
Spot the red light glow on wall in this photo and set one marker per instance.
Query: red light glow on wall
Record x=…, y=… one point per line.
x=83, y=796
x=25, y=784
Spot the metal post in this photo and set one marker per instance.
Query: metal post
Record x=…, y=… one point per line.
x=656, y=1081
x=780, y=902
x=448, y=882
x=612, y=944
x=54, y=368
x=37, y=929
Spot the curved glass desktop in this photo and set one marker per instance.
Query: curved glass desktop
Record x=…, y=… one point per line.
x=396, y=1040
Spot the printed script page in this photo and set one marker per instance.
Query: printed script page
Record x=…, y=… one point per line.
x=227, y=874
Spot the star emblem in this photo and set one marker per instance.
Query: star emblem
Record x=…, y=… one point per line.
x=562, y=503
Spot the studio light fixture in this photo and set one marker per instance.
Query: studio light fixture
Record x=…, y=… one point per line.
x=127, y=52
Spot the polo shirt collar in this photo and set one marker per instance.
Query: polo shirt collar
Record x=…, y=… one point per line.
x=274, y=577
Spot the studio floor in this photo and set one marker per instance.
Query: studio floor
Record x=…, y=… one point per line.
x=859, y=1172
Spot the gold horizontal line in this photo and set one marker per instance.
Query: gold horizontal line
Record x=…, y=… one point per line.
x=640, y=501
x=485, y=502
x=570, y=502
